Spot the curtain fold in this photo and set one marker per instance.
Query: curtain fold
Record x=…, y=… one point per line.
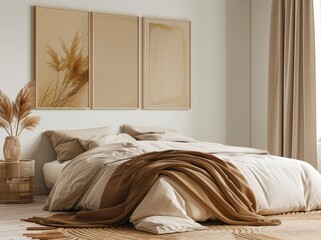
x=292, y=93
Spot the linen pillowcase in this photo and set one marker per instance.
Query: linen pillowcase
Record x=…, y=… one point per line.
x=167, y=136
x=66, y=144
x=167, y=224
x=121, y=137
x=138, y=130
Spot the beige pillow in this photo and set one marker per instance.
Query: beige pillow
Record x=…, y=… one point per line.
x=66, y=144
x=121, y=137
x=167, y=136
x=138, y=130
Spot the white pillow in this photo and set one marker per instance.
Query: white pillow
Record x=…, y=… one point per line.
x=167, y=224
x=92, y=143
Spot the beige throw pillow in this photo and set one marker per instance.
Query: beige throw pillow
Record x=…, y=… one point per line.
x=66, y=144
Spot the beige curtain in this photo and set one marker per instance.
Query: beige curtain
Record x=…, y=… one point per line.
x=292, y=97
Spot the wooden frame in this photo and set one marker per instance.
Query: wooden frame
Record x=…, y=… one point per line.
x=115, y=61
x=61, y=58
x=166, y=64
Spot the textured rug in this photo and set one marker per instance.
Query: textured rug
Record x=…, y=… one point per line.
x=295, y=226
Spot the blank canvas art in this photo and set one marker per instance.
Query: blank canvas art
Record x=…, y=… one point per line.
x=115, y=61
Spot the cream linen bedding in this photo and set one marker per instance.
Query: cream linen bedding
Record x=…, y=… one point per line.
x=280, y=184
x=51, y=172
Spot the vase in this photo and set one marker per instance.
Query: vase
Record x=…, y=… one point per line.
x=12, y=148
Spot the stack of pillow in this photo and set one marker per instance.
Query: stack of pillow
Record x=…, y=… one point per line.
x=70, y=143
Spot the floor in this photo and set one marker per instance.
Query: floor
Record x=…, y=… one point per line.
x=11, y=227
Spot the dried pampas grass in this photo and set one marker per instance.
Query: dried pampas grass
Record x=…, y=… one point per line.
x=6, y=108
x=72, y=74
x=15, y=116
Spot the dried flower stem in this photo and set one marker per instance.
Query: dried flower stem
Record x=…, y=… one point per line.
x=5, y=128
x=71, y=69
x=14, y=116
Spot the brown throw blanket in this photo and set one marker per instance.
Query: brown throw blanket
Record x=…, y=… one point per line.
x=215, y=184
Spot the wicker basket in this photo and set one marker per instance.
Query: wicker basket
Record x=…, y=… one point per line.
x=16, y=181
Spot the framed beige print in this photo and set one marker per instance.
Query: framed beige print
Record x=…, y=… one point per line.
x=115, y=61
x=61, y=58
x=166, y=64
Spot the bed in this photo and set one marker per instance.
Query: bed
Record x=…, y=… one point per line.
x=279, y=184
x=51, y=172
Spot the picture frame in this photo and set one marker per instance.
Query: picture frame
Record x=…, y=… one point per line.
x=61, y=58
x=92, y=60
x=115, y=61
x=166, y=64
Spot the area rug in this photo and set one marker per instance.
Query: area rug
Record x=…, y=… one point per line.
x=295, y=226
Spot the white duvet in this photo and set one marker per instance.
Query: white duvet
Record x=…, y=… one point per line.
x=279, y=184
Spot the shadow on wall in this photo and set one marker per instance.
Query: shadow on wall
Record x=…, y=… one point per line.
x=46, y=149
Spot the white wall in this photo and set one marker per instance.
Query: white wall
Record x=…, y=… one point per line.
x=205, y=121
x=248, y=28
x=260, y=32
x=238, y=72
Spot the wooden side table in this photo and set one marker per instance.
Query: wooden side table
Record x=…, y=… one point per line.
x=16, y=181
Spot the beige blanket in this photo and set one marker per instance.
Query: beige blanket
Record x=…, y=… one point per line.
x=216, y=184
